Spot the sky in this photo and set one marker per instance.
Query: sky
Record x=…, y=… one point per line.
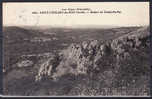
x=20, y=14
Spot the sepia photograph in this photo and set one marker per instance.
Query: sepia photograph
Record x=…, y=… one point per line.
x=97, y=49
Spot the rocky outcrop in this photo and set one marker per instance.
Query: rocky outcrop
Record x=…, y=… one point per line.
x=93, y=55
x=25, y=63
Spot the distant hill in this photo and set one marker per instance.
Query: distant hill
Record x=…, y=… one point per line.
x=14, y=33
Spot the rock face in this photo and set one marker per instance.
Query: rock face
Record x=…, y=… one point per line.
x=47, y=67
x=94, y=55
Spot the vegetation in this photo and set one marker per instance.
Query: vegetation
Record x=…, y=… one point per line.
x=78, y=62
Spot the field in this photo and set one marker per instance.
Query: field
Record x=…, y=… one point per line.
x=29, y=52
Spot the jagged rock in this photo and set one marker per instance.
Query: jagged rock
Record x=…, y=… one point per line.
x=47, y=67
x=93, y=43
x=84, y=44
x=89, y=55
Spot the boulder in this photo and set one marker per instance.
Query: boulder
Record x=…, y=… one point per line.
x=25, y=63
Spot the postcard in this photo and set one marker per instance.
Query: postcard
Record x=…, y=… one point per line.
x=84, y=49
